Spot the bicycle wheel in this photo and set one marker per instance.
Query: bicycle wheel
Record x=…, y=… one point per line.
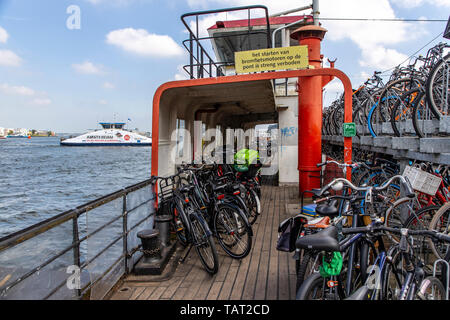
x=422, y=116
x=440, y=223
x=305, y=266
x=421, y=220
x=232, y=231
x=431, y=288
x=253, y=205
x=437, y=87
x=313, y=288
x=393, y=275
x=204, y=244
x=403, y=111
x=397, y=216
x=178, y=223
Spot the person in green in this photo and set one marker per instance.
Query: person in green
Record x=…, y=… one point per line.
x=244, y=158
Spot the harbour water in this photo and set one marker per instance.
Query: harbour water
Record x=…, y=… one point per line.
x=40, y=179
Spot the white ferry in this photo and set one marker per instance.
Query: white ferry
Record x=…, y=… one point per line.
x=113, y=134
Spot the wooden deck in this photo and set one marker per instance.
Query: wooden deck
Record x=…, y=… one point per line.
x=265, y=274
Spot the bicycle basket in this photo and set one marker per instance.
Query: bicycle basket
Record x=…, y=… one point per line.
x=422, y=181
x=166, y=187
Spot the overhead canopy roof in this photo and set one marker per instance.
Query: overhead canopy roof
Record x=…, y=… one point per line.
x=231, y=103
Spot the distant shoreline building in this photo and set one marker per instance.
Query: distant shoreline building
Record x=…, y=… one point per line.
x=26, y=132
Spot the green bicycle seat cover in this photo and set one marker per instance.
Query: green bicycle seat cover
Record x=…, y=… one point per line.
x=332, y=268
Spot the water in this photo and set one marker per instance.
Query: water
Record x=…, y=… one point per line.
x=40, y=179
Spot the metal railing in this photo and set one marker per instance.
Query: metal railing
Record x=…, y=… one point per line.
x=199, y=58
x=78, y=254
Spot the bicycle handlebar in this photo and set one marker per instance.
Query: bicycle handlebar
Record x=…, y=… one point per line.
x=371, y=228
x=403, y=180
x=341, y=165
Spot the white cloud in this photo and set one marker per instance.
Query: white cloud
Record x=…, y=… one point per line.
x=38, y=98
x=418, y=3
x=88, y=67
x=335, y=85
x=108, y=85
x=376, y=40
x=3, y=35
x=42, y=101
x=113, y=2
x=140, y=42
x=380, y=57
x=181, y=74
x=9, y=59
x=16, y=90
x=103, y=102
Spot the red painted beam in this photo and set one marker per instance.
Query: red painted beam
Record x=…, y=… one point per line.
x=251, y=77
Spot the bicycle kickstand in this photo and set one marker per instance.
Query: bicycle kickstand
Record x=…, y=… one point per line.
x=186, y=254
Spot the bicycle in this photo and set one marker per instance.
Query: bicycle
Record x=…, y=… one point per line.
x=191, y=228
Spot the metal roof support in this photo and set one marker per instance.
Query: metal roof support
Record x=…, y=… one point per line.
x=315, y=8
x=285, y=27
x=291, y=11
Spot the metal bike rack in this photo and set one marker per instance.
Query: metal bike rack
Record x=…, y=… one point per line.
x=448, y=274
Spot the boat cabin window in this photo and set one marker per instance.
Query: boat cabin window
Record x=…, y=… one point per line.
x=112, y=125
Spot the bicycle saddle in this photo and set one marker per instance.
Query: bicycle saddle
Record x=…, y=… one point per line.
x=319, y=223
x=186, y=188
x=324, y=240
x=327, y=210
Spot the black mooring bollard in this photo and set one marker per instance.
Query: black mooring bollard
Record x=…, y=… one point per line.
x=150, y=244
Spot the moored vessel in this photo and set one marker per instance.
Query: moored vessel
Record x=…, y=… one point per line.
x=112, y=134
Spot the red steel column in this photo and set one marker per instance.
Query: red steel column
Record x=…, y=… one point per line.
x=310, y=111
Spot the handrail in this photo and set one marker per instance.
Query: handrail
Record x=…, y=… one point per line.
x=40, y=227
x=8, y=242
x=201, y=52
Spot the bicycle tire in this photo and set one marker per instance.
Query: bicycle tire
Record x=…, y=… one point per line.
x=254, y=206
x=312, y=283
x=179, y=224
x=230, y=227
x=389, y=292
x=403, y=110
x=440, y=225
x=421, y=113
x=303, y=268
x=421, y=220
x=391, y=220
x=431, y=85
x=204, y=244
x=436, y=286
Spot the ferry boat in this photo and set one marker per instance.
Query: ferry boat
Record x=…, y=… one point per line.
x=112, y=134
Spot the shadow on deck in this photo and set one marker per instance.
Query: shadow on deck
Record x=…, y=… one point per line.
x=265, y=274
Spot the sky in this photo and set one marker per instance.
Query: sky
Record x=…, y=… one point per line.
x=66, y=65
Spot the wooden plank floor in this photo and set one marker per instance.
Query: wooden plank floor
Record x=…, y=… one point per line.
x=265, y=274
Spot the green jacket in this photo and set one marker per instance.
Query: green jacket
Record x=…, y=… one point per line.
x=244, y=158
